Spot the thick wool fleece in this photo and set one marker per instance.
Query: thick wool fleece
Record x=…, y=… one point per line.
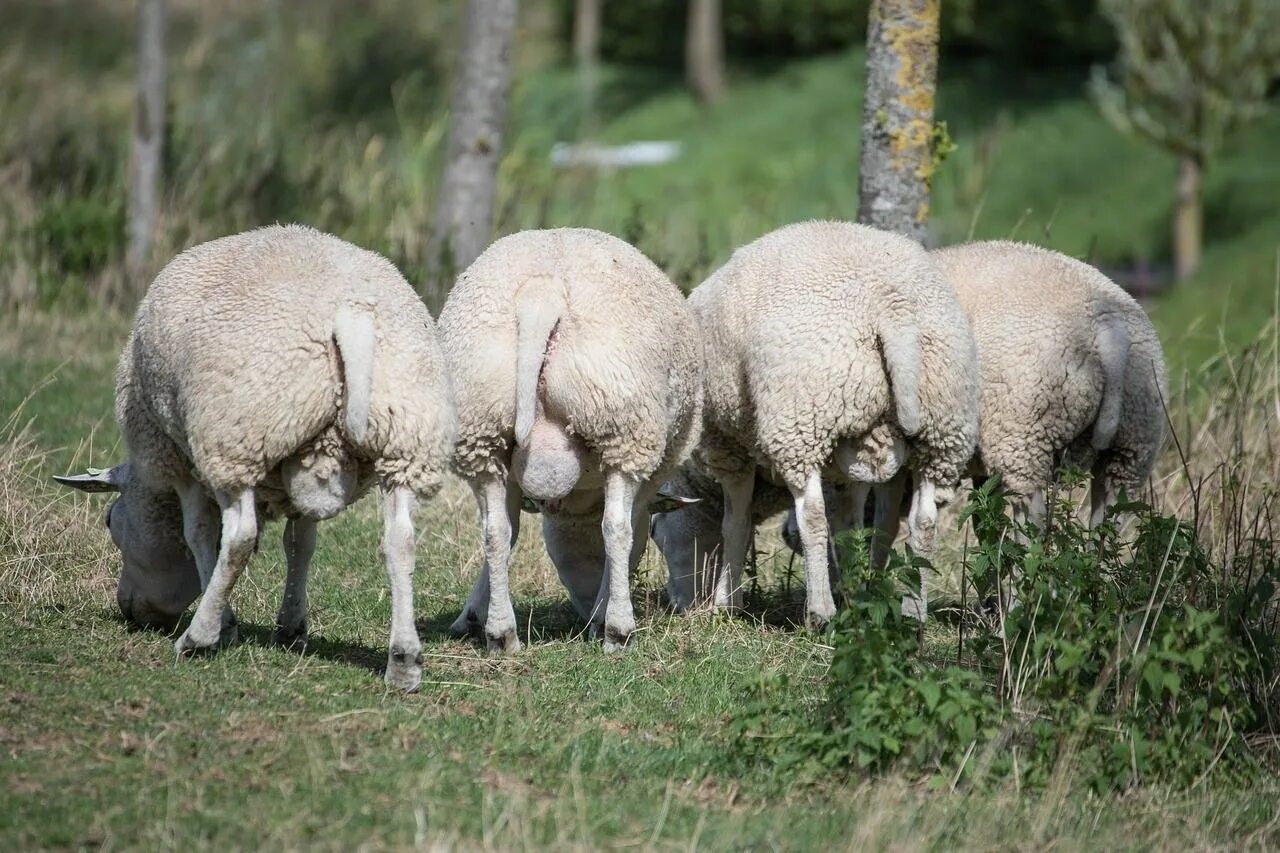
x=808, y=330
x=232, y=366
x=622, y=363
x=1055, y=338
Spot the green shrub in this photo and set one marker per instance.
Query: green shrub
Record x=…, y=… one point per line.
x=80, y=235
x=1124, y=663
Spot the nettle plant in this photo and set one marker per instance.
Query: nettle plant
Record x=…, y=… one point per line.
x=1121, y=660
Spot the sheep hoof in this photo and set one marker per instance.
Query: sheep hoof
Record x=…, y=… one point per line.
x=818, y=621
x=193, y=642
x=615, y=640
x=293, y=637
x=404, y=669
x=505, y=643
x=466, y=625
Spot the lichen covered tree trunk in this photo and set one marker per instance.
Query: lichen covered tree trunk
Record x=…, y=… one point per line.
x=1188, y=217
x=704, y=50
x=896, y=164
x=146, y=162
x=464, y=211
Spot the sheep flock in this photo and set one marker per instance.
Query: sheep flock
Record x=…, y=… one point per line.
x=828, y=370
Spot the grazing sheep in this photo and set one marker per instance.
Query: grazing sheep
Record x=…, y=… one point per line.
x=276, y=372
x=578, y=387
x=1072, y=372
x=832, y=351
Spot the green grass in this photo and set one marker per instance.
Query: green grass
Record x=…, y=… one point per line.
x=108, y=740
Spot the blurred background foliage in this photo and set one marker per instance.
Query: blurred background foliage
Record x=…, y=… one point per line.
x=334, y=113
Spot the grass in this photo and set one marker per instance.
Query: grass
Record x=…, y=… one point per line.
x=109, y=741
x=334, y=119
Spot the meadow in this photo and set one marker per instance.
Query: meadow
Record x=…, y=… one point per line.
x=107, y=741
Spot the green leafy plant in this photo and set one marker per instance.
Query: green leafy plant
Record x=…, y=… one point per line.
x=1121, y=662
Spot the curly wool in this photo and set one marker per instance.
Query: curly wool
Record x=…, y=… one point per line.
x=625, y=372
x=232, y=367
x=1036, y=316
x=793, y=329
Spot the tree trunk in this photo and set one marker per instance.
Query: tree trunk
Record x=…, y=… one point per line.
x=586, y=54
x=704, y=50
x=464, y=213
x=1188, y=218
x=147, y=158
x=896, y=165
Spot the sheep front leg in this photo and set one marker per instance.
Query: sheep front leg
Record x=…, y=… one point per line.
x=735, y=531
x=404, y=649
x=475, y=613
x=239, y=535
x=617, y=527
x=922, y=535
x=299, y=546
x=811, y=515
x=888, y=518
x=200, y=530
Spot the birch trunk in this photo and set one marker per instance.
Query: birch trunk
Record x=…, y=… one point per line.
x=896, y=164
x=146, y=162
x=464, y=212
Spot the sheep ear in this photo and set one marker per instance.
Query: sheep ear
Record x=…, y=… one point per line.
x=668, y=502
x=95, y=479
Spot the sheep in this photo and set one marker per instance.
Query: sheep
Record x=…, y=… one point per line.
x=835, y=351
x=579, y=390
x=278, y=372
x=1072, y=372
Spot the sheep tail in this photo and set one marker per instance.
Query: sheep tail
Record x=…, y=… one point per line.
x=540, y=303
x=354, y=335
x=901, y=347
x=1111, y=341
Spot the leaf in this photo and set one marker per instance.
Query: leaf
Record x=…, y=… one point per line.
x=931, y=693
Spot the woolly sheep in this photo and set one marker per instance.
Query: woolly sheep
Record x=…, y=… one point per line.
x=275, y=372
x=832, y=351
x=1072, y=371
x=578, y=388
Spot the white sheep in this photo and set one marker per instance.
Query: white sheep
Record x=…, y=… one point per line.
x=832, y=351
x=577, y=369
x=1072, y=372
x=276, y=372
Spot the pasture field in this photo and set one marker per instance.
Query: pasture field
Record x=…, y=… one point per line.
x=107, y=741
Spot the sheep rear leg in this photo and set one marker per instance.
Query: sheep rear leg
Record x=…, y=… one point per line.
x=299, y=547
x=617, y=526
x=811, y=516
x=735, y=531
x=239, y=535
x=404, y=649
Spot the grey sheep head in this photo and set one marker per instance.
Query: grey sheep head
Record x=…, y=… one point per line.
x=158, y=578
